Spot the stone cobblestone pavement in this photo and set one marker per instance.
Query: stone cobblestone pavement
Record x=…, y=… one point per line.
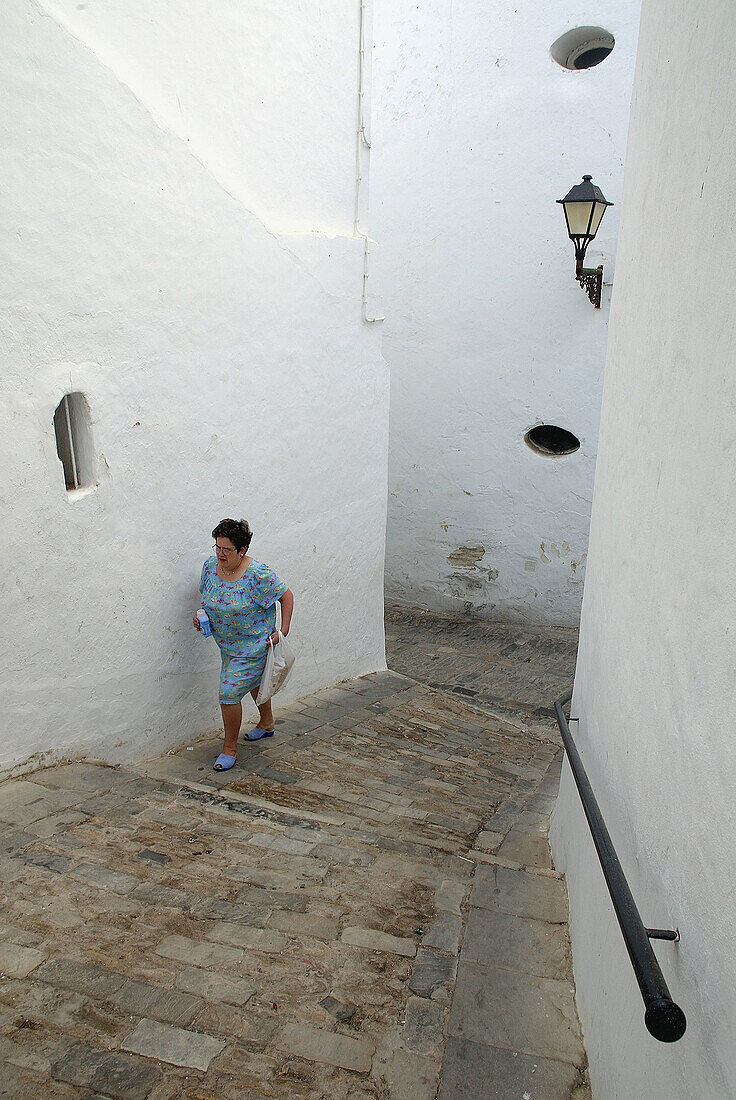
x=364, y=907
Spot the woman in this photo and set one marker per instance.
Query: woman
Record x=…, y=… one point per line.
x=239, y=596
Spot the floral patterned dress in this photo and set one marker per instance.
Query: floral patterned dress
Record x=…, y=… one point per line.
x=243, y=615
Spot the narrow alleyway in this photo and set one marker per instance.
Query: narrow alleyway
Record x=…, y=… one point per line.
x=364, y=907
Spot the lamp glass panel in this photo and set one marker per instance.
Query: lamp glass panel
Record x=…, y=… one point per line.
x=600, y=209
x=578, y=217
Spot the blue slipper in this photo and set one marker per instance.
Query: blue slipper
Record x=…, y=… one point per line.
x=257, y=733
x=223, y=763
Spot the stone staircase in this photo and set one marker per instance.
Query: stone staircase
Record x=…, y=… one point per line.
x=363, y=908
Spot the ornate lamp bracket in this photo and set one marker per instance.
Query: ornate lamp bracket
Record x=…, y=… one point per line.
x=591, y=280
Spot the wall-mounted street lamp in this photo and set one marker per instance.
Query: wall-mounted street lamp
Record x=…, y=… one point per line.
x=584, y=206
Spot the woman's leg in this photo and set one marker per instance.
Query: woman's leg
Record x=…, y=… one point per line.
x=232, y=716
x=265, y=714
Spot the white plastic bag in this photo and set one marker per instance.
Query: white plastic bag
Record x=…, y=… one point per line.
x=279, y=663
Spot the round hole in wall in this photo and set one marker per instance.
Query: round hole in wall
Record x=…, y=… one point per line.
x=548, y=439
x=582, y=48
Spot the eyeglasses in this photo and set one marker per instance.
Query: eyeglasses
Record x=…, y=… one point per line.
x=224, y=549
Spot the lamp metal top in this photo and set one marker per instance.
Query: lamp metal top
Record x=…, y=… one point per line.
x=587, y=191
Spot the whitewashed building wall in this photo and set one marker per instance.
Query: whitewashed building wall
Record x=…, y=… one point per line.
x=476, y=132
x=654, y=687
x=178, y=203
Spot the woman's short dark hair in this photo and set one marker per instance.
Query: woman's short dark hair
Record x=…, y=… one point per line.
x=237, y=530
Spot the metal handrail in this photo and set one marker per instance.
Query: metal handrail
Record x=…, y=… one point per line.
x=663, y=1018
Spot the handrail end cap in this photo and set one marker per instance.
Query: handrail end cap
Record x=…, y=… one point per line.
x=665, y=1020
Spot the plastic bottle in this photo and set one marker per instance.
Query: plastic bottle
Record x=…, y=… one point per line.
x=204, y=623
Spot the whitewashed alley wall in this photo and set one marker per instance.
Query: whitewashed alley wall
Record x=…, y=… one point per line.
x=476, y=132
x=263, y=93
x=654, y=688
x=226, y=366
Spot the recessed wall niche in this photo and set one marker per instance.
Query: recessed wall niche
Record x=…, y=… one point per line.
x=582, y=48
x=72, y=427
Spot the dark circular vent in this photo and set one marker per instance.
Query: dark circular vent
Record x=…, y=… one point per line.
x=591, y=56
x=583, y=47
x=548, y=439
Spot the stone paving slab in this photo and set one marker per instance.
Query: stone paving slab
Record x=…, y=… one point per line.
x=445, y=933
x=24, y=801
x=184, y=950
x=405, y=1075
x=251, y=939
x=80, y=777
x=527, y=848
x=451, y=896
x=342, y=1012
x=424, y=1026
x=47, y=860
x=493, y=938
x=433, y=975
x=213, y=986
x=304, y=924
x=373, y=940
x=13, y=933
x=327, y=1046
x=106, y=878
x=172, y=1044
x=520, y=894
x=543, y=1021
x=48, y=826
x=18, y=1084
x=13, y=840
x=471, y=1071
x=119, y=1076
x=166, y=1005
x=531, y=822
x=17, y=961
x=80, y=977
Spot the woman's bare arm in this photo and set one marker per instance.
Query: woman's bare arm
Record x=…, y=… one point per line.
x=287, y=607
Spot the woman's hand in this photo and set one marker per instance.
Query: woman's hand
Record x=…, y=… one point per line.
x=196, y=622
x=274, y=638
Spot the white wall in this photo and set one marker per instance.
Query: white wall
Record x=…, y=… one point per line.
x=654, y=688
x=264, y=93
x=227, y=371
x=476, y=133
